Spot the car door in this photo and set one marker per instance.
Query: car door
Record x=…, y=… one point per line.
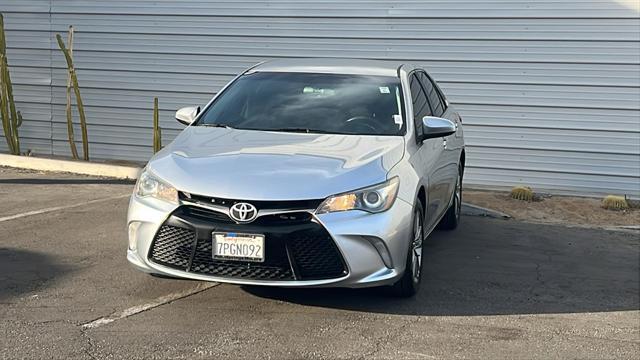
x=428, y=153
x=445, y=171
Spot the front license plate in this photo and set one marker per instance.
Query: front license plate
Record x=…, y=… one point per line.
x=237, y=246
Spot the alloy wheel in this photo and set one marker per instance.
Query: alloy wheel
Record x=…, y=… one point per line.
x=458, y=197
x=416, y=249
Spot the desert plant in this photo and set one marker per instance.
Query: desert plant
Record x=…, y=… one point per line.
x=72, y=138
x=79, y=104
x=157, y=133
x=613, y=202
x=11, y=118
x=522, y=193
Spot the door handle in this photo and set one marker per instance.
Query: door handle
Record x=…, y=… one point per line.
x=444, y=143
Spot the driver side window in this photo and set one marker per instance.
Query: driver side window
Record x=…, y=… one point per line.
x=421, y=107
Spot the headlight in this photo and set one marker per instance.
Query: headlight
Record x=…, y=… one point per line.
x=149, y=185
x=373, y=199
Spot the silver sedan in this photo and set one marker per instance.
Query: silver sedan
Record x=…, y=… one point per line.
x=306, y=172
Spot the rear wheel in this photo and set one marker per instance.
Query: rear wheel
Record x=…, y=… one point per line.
x=451, y=219
x=409, y=284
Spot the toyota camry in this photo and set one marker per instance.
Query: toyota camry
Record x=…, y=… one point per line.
x=304, y=173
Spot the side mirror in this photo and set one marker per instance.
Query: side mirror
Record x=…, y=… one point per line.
x=186, y=115
x=435, y=127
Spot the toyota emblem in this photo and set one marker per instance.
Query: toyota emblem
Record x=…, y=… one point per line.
x=243, y=212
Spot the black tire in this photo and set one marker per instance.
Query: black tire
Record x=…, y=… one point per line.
x=408, y=285
x=162, y=276
x=451, y=219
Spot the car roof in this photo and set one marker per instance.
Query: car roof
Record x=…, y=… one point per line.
x=331, y=66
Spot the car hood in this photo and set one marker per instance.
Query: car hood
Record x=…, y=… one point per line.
x=263, y=165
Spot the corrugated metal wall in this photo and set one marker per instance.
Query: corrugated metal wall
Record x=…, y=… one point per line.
x=549, y=90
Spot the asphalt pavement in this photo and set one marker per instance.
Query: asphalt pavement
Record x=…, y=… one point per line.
x=492, y=289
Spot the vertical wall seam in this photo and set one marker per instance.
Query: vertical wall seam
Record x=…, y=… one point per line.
x=51, y=77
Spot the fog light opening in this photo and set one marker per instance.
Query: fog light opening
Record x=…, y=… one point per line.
x=133, y=235
x=381, y=247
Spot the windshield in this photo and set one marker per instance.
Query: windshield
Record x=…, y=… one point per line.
x=314, y=103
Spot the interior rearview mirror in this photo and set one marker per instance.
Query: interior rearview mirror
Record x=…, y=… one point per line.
x=435, y=127
x=186, y=115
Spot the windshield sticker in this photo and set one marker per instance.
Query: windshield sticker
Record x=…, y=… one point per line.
x=318, y=91
x=384, y=90
x=398, y=118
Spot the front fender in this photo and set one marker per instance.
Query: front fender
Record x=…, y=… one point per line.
x=410, y=181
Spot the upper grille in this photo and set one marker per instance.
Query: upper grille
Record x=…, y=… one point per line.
x=209, y=215
x=259, y=204
x=206, y=214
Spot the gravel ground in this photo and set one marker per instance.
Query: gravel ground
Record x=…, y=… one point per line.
x=555, y=209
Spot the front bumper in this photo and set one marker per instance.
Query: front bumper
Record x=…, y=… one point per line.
x=372, y=247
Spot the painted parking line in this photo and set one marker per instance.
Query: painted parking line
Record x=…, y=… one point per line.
x=57, y=208
x=150, y=305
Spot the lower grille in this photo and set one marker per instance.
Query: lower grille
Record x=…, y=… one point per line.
x=295, y=248
x=173, y=246
x=316, y=257
x=275, y=267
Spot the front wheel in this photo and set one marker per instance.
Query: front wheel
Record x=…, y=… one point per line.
x=162, y=276
x=409, y=284
x=451, y=219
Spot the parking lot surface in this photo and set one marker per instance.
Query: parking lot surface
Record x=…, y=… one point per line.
x=492, y=289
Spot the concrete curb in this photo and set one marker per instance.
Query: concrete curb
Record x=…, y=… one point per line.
x=625, y=229
x=474, y=210
x=76, y=167
x=631, y=227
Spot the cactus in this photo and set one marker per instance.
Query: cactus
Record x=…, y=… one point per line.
x=76, y=90
x=522, y=193
x=8, y=89
x=157, y=133
x=72, y=138
x=613, y=202
x=11, y=118
x=6, y=123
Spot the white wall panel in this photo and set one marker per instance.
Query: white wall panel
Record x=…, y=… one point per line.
x=549, y=90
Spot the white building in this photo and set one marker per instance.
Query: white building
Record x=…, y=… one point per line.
x=549, y=90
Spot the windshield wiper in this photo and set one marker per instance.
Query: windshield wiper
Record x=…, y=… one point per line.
x=301, y=130
x=219, y=125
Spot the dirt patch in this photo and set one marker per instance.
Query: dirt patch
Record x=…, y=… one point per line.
x=554, y=209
